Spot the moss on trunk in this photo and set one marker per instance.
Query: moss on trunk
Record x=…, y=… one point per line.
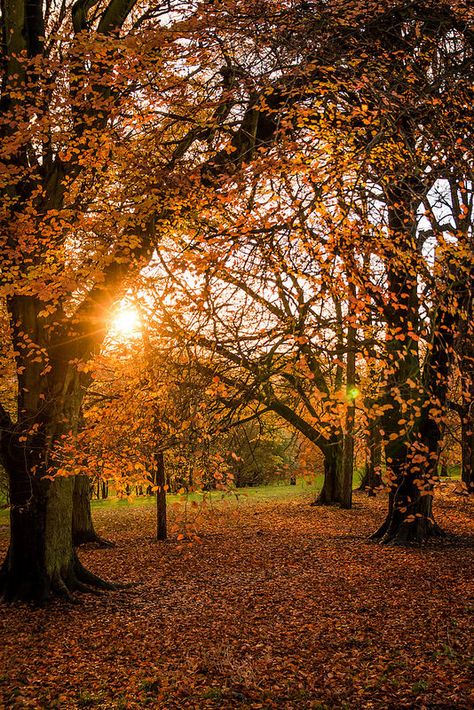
x=41, y=560
x=83, y=530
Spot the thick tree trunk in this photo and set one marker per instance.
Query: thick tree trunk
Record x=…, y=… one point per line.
x=348, y=460
x=331, y=491
x=372, y=479
x=465, y=348
x=41, y=559
x=413, y=466
x=410, y=517
x=414, y=462
x=412, y=432
x=82, y=526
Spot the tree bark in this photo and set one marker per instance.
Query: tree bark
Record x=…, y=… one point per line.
x=410, y=518
x=331, y=491
x=411, y=451
x=161, y=523
x=372, y=479
x=41, y=559
x=83, y=530
x=348, y=459
x=467, y=447
x=466, y=410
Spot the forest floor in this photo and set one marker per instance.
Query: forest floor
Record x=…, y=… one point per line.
x=277, y=605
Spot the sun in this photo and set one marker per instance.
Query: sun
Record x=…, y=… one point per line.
x=126, y=322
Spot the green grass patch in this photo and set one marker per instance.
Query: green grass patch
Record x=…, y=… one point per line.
x=255, y=494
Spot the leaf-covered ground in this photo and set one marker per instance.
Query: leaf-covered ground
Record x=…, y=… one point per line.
x=280, y=605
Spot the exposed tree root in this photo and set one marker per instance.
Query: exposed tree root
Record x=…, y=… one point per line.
x=85, y=589
x=80, y=580
x=92, y=538
x=380, y=532
x=103, y=543
x=324, y=499
x=402, y=533
x=90, y=579
x=61, y=589
x=35, y=587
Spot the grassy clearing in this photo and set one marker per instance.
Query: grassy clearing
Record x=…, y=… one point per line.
x=255, y=494
x=258, y=494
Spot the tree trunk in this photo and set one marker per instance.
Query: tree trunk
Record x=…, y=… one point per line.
x=348, y=459
x=372, y=479
x=412, y=433
x=467, y=447
x=161, y=526
x=410, y=517
x=413, y=467
x=331, y=491
x=82, y=526
x=41, y=559
x=465, y=348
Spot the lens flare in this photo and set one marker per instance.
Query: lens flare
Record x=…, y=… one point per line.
x=126, y=322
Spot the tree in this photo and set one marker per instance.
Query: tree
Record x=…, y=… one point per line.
x=51, y=158
x=79, y=219
x=410, y=147
x=379, y=112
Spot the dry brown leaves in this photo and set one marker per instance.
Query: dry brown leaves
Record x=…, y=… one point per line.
x=280, y=606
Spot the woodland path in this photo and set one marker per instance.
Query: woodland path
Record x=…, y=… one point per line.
x=280, y=605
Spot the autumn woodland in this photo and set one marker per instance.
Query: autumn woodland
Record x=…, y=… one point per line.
x=236, y=354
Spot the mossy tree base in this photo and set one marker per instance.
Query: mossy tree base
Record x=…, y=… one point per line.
x=38, y=587
x=83, y=531
x=41, y=561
